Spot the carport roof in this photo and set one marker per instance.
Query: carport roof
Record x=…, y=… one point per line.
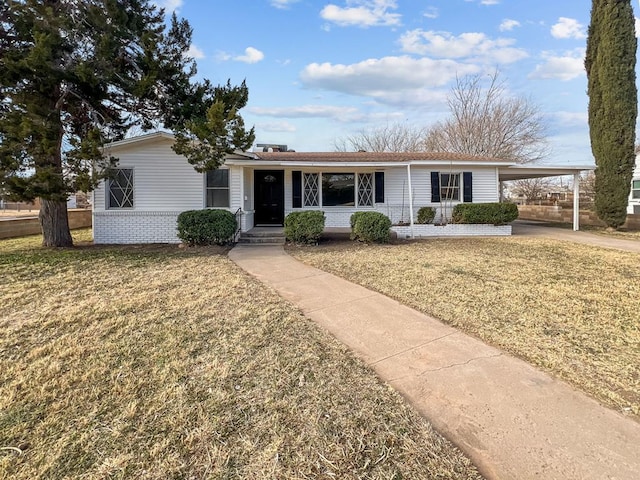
x=521, y=172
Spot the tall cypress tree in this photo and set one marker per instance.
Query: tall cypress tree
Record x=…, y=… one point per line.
x=76, y=74
x=610, y=63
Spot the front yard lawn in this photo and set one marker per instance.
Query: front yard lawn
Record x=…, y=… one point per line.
x=157, y=362
x=570, y=309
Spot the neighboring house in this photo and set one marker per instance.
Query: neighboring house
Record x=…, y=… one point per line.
x=152, y=185
x=634, y=195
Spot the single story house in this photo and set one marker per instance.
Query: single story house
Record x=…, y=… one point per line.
x=153, y=185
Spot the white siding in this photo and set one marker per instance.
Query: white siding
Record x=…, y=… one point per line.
x=396, y=204
x=164, y=184
x=163, y=181
x=485, y=186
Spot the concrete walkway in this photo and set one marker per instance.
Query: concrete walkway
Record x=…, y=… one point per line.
x=538, y=229
x=514, y=421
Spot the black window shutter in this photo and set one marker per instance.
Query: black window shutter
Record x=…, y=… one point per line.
x=379, y=187
x=467, y=186
x=435, y=187
x=296, y=189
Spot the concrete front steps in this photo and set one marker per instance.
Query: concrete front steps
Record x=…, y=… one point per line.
x=262, y=236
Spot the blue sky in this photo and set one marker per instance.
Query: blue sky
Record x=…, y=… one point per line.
x=318, y=70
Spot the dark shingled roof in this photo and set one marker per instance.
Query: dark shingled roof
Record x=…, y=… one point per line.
x=372, y=157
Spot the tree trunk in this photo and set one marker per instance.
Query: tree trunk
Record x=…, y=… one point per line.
x=55, y=224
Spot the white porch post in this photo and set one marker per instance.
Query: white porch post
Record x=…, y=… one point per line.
x=242, y=227
x=576, y=201
x=410, y=198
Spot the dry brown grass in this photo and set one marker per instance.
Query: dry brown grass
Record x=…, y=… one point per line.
x=571, y=309
x=155, y=362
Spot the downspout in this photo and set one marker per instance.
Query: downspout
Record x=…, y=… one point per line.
x=410, y=199
x=576, y=201
x=241, y=197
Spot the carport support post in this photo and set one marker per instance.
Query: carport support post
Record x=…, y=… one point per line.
x=410, y=199
x=576, y=201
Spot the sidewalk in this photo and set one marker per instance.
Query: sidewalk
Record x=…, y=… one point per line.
x=514, y=421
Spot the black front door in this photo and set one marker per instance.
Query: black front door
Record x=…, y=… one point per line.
x=269, y=197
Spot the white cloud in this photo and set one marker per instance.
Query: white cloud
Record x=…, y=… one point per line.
x=195, y=52
x=362, y=13
x=637, y=27
x=431, y=12
x=485, y=2
x=400, y=81
x=251, y=55
x=470, y=45
x=169, y=5
x=276, y=127
x=565, y=67
x=308, y=111
x=508, y=24
x=335, y=113
x=571, y=119
x=282, y=4
x=568, y=28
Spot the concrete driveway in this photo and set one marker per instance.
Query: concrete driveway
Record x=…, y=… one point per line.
x=530, y=228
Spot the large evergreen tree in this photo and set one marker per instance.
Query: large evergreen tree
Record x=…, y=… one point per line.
x=610, y=63
x=76, y=74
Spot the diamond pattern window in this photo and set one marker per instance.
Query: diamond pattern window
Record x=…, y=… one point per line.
x=311, y=190
x=121, y=188
x=365, y=190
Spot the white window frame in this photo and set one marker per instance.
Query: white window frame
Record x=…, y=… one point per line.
x=635, y=189
x=444, y=198
x=227, y=188
x=310, y=181
x=130, y=196
x=371, y=191
x=318, y=186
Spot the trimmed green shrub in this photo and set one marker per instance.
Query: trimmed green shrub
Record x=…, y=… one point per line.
x=426, y=214
x=491, y=213
x=207, y=227
x=354, y=218
x=304, y=227
x=370, y=227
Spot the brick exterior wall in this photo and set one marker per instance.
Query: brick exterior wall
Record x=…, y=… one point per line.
x=340, y=216
x=135, y=227
x=452, y=230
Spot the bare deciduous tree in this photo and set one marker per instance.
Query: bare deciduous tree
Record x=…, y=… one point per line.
x=588, y=185
x=531, y=188
x=397, y=137
x=488, y=122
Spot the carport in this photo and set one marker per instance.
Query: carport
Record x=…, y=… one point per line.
x=523, y=172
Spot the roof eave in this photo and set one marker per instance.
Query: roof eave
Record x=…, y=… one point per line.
x=370, y=164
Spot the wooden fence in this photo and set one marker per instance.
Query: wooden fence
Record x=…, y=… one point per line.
x=565, y=215
x=19, y=227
